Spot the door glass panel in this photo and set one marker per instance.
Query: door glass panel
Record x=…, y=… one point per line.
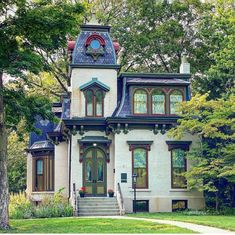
x=100, y=170
x=39, y=167
x=88, y=170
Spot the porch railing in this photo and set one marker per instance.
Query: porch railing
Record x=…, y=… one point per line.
x=120, y=200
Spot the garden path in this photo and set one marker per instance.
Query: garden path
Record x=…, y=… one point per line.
x=194, y=227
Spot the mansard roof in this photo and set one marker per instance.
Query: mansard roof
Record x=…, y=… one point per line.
x=104, y=54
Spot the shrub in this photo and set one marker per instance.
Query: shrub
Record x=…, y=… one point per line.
x=54, y=206
x=20, y=206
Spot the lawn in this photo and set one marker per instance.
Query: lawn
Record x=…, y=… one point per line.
x=82, y=225
x=219, y=221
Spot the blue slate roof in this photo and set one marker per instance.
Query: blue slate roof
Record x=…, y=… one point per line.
x=79, y=53
x=46, y=126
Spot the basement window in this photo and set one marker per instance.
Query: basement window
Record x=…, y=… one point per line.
x=142, y=205
x=179, y=205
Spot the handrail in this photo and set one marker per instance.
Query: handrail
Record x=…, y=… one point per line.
x=120, y=199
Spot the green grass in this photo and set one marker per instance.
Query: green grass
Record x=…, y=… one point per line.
x=83, y=225
x=219, y=221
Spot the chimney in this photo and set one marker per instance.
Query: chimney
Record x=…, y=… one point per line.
x=185, y=66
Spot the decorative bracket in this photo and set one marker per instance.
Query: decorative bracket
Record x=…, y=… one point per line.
x=126, y=130
x=155, y=130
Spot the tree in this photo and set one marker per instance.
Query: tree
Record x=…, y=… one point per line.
x=217, y=30
x=16, y=162
x=33, y=35
x=214, y=122
x=154, y=34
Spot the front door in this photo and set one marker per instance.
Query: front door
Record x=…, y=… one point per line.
x=94, y=172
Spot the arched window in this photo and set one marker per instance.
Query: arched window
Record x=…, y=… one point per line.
x=176, y=97
x=158, y=102
x=140, y=102
x=94, y=103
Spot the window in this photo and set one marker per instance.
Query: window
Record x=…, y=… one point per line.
x=94, y=103
x=141, y=205
x=140, y=102
x=176, y=97
x=44, y=173
x=178, y=205
x=179, y=166
x=140, y=167
x=158, y=102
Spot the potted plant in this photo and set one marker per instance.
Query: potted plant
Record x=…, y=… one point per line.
x=82, y=191
x=110, y=192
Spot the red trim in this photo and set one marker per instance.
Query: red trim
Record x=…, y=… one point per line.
x=95, y=36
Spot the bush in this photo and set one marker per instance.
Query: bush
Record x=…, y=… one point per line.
x=55, y=206
x=20, y=207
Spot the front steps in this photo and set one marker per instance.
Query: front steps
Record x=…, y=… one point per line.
x=95, y=206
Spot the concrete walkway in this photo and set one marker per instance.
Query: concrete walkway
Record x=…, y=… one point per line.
x=194, y=227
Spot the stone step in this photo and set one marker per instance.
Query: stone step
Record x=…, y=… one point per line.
x=98, y=214
x=98, y=206
x=98, y=210
x=97, y=199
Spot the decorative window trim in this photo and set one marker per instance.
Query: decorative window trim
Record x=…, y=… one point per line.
x=184, y=145
x=140, y=144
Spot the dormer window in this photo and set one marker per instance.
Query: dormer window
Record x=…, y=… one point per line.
x=158, y=102
x=94, y=92
x=94, y=103
x=140, y=102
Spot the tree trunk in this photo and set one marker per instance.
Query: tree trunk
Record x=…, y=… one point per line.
x=4, y=195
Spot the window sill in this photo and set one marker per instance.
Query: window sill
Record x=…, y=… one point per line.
x=42, y=192
x=179, y=190
x=141, y=190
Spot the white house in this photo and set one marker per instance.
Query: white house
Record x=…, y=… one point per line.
x=111, y=127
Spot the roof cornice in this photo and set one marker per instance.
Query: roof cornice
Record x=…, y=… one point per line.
x=155, y=75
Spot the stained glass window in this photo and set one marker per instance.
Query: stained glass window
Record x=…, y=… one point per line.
x=89, y=103
x=140, y=167
x=99, y=103
x=158, y=102
x=176, y=97
x=178, y=167
x=140, y=102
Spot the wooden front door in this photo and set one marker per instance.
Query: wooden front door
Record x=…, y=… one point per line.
x=95, y=172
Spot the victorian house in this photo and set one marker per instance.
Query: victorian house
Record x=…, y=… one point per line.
x=113, y=126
